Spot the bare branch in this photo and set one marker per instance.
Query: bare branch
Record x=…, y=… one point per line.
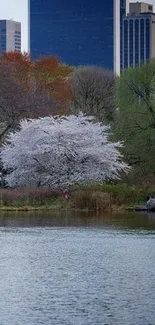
x=93, y=91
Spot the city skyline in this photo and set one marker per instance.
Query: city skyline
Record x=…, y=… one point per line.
x=17, y=10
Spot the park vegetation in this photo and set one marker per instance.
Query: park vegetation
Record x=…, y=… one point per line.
x=80, y=128
x=134, y=122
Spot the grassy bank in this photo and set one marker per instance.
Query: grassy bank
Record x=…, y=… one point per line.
x=30, y=199
x=122, y=194
x=94, y=197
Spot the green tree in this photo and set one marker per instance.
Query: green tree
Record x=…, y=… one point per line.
x=135, y=118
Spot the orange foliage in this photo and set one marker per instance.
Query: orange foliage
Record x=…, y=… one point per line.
x=46, y=73
x=20, y=65
x=52, y=74
x=16, y=57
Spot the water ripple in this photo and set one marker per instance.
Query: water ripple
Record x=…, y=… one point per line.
x=83, y=276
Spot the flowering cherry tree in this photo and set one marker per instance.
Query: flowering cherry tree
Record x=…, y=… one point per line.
x=60, y=151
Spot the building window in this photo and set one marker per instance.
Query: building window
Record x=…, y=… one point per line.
x=147, y=39
x=136, y=42
x=142, y=45
x=125, y=50
x=131, y=42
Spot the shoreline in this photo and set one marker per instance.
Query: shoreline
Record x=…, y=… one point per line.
x=113, y=208
x=97, y=198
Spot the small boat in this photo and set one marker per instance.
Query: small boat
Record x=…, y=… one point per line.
x=137, y=208
x=141, y=208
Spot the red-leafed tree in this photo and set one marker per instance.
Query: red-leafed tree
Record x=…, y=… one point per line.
x=51, y=74
x=47, y=74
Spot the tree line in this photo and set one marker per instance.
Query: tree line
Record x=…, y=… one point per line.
x=47, y=87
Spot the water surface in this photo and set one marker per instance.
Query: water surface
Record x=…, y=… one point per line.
x=77, y=269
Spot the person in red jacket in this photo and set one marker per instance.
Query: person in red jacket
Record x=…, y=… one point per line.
x=66, y=194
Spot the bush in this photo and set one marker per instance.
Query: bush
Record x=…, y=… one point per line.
x=122, y=194
x=91, y=200
x=27, y=196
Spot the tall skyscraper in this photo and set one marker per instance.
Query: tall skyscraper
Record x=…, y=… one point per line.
x=10, y=36
x=80, y=32
x=138, y=35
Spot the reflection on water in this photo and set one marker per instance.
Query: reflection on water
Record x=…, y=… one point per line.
x=131, y=220
x=77, y=268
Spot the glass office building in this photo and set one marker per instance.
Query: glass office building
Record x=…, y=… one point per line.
x=10, y=36
x=79, y=32
x=138, y=39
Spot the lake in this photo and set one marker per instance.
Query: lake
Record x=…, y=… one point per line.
x=77, y=268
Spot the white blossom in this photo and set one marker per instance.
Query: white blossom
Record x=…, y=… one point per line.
x=60, y=151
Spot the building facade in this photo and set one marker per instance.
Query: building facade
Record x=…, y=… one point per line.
x=136, y=8
x=78, y=32
x=10, y=36
x=138, y=39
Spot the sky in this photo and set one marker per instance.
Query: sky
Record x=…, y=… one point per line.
x=17, y=10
